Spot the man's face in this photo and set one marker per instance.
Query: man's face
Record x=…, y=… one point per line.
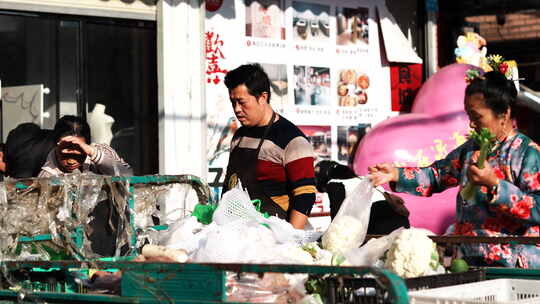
x=249, y=110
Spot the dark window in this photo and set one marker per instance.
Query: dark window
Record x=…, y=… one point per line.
x=86, y=62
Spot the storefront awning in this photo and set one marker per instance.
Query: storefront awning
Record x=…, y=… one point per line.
x=398, y=48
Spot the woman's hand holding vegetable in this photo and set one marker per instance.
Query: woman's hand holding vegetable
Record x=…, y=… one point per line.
x=483, y=176
x=382, y=174
x=478, y=174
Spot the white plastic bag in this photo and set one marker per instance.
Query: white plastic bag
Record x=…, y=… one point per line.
x=184, y=234
x=372, y=251
x=176, y=203
x=235, y=205
x=237, y=242
x=349, y=227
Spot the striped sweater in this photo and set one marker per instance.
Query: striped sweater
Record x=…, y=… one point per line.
x=285, y=163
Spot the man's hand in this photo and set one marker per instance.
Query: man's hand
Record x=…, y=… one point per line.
x=485, y=176
x=382, y=174
x=298, y=220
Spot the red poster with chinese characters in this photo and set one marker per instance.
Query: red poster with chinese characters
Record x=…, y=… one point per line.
x=214, y=57
x=406, y=80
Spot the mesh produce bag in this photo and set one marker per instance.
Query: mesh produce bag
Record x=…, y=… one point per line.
x=235, y=205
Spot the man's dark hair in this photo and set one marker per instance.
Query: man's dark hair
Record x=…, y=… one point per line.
x=252, y=76
x=72, y=125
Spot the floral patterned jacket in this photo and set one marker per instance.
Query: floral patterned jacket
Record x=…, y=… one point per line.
x=513, y=209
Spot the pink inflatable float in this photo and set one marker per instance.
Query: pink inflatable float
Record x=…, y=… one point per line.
x=436, y=126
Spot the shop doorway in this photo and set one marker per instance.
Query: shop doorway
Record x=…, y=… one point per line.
x=102, y=69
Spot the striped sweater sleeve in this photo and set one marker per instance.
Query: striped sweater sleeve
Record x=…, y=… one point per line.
x=299, y=158
x=106, y=161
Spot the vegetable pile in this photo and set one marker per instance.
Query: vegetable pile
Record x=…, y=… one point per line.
x=413, y=254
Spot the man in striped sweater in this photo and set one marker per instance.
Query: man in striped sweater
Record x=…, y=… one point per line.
x=270, y=156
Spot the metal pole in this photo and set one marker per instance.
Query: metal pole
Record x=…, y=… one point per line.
x=432, y=60
x=181, y=87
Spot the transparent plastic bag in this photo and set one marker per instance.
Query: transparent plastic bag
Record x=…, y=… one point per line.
x=349, y=227
x=286, y=233
x=184, y=234
x=237, y=242
x=372, y=251
x=270, y=288
x=176, y=202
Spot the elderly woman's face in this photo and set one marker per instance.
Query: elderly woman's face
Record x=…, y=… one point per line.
x=70, y=156
x=481, y=116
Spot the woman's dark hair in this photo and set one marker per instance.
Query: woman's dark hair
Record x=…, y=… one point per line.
x=499, y=92
x=26, y=150
x=70, y=125
x=252, y=76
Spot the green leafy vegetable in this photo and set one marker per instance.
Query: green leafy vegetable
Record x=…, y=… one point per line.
x=486, y=141
x=337, y=259
x=309, y=248
x=316, y=285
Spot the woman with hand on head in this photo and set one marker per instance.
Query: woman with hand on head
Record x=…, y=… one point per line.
x=74, y=152
x=506, y=198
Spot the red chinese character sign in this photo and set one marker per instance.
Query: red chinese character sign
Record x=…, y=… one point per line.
x=405, y=79
x=214, y=58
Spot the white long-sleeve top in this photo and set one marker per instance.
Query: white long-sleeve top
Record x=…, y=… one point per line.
x=104, y=162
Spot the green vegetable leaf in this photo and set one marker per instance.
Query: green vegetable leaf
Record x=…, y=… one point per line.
x=311, y=250
x=337, y=259
x=486, y=141
x=316, y=285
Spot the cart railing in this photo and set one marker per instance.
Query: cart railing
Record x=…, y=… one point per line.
x=146, y=282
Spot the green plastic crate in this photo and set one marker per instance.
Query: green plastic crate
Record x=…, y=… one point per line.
x=512, y=273
x=51, y=280
x=61, y=280
x=144, y=282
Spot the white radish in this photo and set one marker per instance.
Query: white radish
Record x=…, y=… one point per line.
x=177, y=255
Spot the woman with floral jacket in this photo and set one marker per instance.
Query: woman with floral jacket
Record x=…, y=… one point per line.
x=507, y=198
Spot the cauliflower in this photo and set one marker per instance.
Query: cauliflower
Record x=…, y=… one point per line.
x=413, y=254
x=343, y=234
